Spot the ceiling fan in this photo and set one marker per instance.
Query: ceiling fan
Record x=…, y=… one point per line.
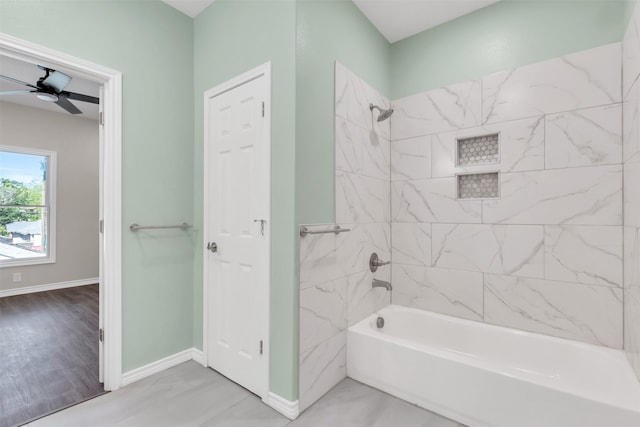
x=50, y=87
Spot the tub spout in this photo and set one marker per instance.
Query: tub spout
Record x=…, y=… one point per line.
x=381, y=284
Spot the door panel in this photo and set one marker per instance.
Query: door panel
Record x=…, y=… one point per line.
x=238, y=282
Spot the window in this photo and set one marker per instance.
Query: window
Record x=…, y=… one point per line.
x=27, y=206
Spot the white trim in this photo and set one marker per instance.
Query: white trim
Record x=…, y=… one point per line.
x=262, y=70
x=198, y=356
x=156, y=367
x=110, y=191
x=286, y=407
x=161, y=365
x=49, y=287
x=27, y=150
x=50, y=206
x=101, y=305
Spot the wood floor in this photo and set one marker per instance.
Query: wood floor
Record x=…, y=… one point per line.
x=190, y=395
x=48, y=352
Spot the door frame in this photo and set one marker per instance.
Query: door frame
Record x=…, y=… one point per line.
x=110, y=188
x=263, y=70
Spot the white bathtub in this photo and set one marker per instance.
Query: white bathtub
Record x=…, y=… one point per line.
x=485, y=375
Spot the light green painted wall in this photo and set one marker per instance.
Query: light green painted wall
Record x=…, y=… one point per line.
x=232, y=37
x=152, y=45
x=507, y=34
x=629, y=6
x=328, y=30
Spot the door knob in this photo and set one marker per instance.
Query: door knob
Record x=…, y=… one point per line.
x=212, y=246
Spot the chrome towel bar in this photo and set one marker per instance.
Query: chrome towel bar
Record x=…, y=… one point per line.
x=136, y=227
x=304, y=231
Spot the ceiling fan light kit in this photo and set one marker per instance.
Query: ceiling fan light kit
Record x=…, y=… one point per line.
x=51, y=97
x=50, y=88
x=56, y=80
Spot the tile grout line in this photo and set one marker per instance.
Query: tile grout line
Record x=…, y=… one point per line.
x=544, y=251
x=484, y=299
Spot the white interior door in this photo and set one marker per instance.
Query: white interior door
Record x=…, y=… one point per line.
x=237, y=189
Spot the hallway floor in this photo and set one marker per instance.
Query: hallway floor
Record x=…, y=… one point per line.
x=48, y=352
x=189, y=395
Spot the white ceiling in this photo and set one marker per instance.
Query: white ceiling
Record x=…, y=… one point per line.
x=30, y=73
x=395, y=19
x=189, y=7
x=399, y=19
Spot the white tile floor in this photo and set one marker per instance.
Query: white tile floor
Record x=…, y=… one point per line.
x=189, y=395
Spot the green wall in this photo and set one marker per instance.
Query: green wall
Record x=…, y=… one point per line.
x=150, y=43
x=232, y=37
x=328, y=30
x=507, y=34
x=628, y=7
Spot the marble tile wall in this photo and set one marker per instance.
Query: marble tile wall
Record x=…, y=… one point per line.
x=335, y=281
x=631, y=183
x=547, y=255
x=362, y=190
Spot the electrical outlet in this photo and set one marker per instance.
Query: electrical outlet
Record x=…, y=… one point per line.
x=17, y=277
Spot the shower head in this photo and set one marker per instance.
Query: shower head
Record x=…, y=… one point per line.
x=384, y=114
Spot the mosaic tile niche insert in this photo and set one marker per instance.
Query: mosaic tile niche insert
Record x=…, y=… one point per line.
x=478, y=150
x=479, y=186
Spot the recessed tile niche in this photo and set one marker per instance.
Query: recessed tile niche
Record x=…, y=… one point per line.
x=478, y=150
x=479, y=186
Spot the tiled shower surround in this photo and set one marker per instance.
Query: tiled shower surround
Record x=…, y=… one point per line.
x=335, y=281
x=546, y=256
x=631, y=158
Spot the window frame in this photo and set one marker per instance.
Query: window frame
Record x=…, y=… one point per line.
x=50, y=206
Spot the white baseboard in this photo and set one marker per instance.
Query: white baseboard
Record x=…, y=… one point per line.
x=49, y=287
x=286, y=407
x=198, y=356
x=162, y=364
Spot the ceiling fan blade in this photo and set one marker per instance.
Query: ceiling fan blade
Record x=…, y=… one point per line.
x=57, y=81
x=16, y=81
x=81, y=97
x=16, y=92
x=64, y=103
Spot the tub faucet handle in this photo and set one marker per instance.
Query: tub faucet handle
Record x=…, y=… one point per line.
x=375, y=262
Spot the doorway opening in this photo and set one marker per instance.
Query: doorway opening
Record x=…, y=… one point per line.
x=108, y=220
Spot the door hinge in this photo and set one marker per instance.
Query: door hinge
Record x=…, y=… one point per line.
x=101, y=226
x=101, y=335
x=262, y=108
x=260, y=346
x=101, y=117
